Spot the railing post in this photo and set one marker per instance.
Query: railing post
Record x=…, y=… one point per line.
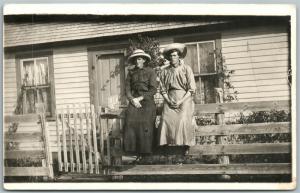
x=221, y=139
x=40, y=109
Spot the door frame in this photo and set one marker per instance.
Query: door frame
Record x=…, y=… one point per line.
x=93, y=53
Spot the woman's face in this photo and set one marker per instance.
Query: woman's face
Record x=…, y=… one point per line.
x=174, y=57
x=140, y=62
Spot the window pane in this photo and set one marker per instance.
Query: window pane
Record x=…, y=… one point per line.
x=42, y=72
x=191, y=58
x=208, y=83
x=44, y=97
x=197, y=96
x=207, y=60
x=29, y=101
x=28, y=73
x=34, y=96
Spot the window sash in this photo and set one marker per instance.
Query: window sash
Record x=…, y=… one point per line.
x=34, y=95
x=204, y=95
x=38, y=90
x=199, y=57
x=35, y=67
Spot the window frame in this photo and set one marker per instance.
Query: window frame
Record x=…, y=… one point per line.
x=27, y=56
x=202, y=38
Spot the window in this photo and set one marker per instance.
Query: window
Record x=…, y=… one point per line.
x=201, y=57
x=35, y=75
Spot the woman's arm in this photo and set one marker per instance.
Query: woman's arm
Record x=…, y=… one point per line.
x=163, y=89
x=191, y=87
x=152, y=89
x=128, y=93
x=128, y=87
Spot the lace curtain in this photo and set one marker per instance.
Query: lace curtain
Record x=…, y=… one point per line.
x=36, y=80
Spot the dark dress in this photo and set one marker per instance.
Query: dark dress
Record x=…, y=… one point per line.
x=140, y=122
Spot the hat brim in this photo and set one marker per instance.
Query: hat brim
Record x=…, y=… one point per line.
x=146, y=56
x=181, y=48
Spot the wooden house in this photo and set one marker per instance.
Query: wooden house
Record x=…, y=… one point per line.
x=64, y=60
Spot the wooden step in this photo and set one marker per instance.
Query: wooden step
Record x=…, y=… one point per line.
x=194, y=169
x=81, y=177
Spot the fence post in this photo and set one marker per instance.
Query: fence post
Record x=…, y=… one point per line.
x=60, y=166
x=101, y=138
x=95, y=146
x=64, y=140
x=117, y=143
x=221, y=139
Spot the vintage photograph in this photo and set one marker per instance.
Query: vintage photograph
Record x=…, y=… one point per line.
x=147, y=98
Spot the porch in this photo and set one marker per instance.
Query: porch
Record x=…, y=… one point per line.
x=102, y=157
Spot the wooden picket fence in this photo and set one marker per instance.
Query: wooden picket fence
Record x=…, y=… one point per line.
x=30, y=141
x=77, y=139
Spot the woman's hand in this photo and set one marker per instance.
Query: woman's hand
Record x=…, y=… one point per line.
x=169, y=101
x=176, y=105
x=136, y=102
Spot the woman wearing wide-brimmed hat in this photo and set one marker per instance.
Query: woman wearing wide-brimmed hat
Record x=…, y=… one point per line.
x=141, y=85
x=177, y=87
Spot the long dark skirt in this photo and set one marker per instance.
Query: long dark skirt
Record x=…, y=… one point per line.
x=139, y=127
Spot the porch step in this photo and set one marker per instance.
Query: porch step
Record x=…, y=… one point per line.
x=80, y=177
x=195, y=169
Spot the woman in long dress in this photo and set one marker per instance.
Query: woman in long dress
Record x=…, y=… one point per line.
x=141, y=85
x=177, y=87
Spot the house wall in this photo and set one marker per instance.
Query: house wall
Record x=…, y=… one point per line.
x=71, y=76
x=9, y=84
x=259, y=57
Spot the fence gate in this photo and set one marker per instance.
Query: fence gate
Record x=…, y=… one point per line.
x=77, y=140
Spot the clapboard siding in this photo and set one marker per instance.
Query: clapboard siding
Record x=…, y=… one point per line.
x=254, y=59
x=71, y=73
x=71, y=80
x=271, y=39
x=259, y=58
x=269, y=82
x=257, y=77
x=257, y=65
x=245, y=72
x=250, y=53
x=72, y=90
x=70, y=69
x=267, y=88
x=254, y=47
x=10, y=84
x=76, y=85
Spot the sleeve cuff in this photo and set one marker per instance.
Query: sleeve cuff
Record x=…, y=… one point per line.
x=130, y=98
